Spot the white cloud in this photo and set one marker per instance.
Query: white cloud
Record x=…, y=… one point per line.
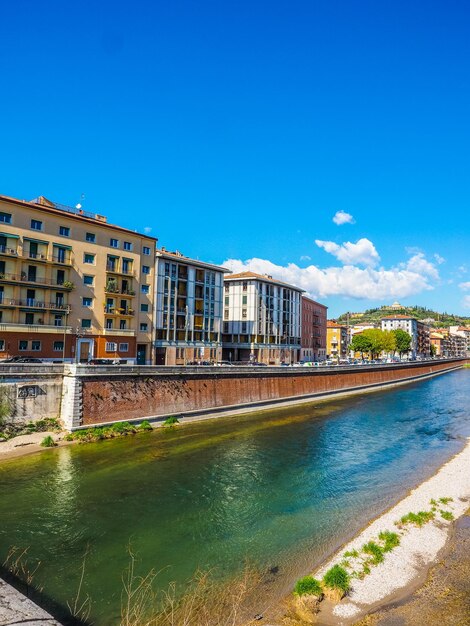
x=420, y=265
x=349, y=281
x=439, y=259
x=466, y=302
x=341, y=217
x=147, y=229
x=465, y=286
x=362, y=252
x=305, y=257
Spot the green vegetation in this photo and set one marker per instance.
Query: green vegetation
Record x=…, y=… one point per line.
x=445, y=500
x=374, y=341
x=447, y=515
x=351, y=554
x=171, y=421
x=419, y=519
x=402, y=341
x=119, y=429
x=389, y=539
x=48, y=442
x=375, y=551
x=145, y=425
x=308, y=585
x=337, y=579
x=441, y=320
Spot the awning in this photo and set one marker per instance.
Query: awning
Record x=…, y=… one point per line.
x=36, y=240
x=9, y=235
x=61, y=245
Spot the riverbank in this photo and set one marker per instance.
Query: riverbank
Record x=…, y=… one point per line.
x=446, y=496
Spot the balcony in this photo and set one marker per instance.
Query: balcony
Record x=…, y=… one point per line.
x=35, y=328
x=30, y=280
x=61, y=260
x=8, y=251
x=112, y=310
x=29, y=303
x=116, y=332
x=112, y=268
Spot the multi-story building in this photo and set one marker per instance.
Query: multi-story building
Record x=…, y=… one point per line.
x=261, y=319
x=462, y=331
x=72, y=286
x=188, y=309
x=313, y=339
x=419, y=332
x=336, y=340
x=424, y=343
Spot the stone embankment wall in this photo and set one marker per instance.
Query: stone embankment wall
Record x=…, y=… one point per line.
x=122, y=395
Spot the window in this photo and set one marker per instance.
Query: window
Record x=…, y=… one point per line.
x=36, y=225
x=5, y=217
x=127, y=245
x=122, y=324
x=146, y=250
x=109, y=324
x=29, y=318
x=145, y=269
x=144, y=308
x=123, y=347
x=243, y=313
x=2, y=345
x=244, y=327
x=244, y=286
x=64, y=231
x=244, y=299
x=90, y=237
x=145, y=288
x=88, y=280
x=225, y=327
x=86, y=323
x=111, y=346
x=35, y=345
x=143, y=327
x=226, y=314
x=227, y=288
x=86, y=301
x=227, y=300
x=89, y=258
x=58, y=346
x=22, y=344
x=114, y=243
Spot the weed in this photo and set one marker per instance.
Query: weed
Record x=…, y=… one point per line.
x=389, y=539
x=445, y=500
x=351, y=554
x=447, y=515
x=366, y=569
x=48, y=442
x=433, y=502
x=171, y=421
x=375, y=551
x=145, y=425
x=308, y=585
x=346, y=564
x=337, y=578
x=419, y=519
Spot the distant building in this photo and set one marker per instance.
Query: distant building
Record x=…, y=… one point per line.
x=464, y=332
x=188, y=305
x=419, y=332
x=336, y=340
x=396, y=306
x=261, y=319
x=313, y=339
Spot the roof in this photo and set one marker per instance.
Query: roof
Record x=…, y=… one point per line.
x=307, y=299
x=42, y=204
x=262, y=277
x=177, y=256
x=334, y=324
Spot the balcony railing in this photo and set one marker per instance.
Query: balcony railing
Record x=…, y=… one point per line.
x=24, y=278
x=35, y=328
x=31, y=303
x=119, y=331
x=115, y=269
x=9, y=251
x=112, y=310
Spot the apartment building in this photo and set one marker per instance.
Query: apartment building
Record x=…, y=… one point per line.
x=261, y=320
x=72, y=286
x=419, y=332
x=313, y=330
x=188, y=309
x=464, y=332
x=336, y=340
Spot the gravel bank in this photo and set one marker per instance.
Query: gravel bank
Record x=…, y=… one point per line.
x=403, y=568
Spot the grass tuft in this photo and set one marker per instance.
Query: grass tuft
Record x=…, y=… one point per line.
x=171, y=421
x=418, y=519
x=337, y=578
x=445, y=500
x=351, y=554
x=308, y=585
x=389, y=539
x=447, y=515
x=375, y=551
x=48, y=442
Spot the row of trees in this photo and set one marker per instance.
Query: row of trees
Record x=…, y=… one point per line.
x=375, y=341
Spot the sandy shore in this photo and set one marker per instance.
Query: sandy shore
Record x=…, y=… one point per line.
x=404, y=568
x=28, y=444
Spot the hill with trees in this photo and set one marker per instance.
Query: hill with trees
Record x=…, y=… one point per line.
x=429, y=316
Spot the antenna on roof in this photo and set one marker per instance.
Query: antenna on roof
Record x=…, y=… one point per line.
x=78, y=205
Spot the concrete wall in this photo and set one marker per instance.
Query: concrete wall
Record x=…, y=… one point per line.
x=117, y=395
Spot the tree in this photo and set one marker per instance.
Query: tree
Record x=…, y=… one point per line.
x=360, y=343
x=376, y=338
x=403, y=340
x=433, y=350
x=389, y=341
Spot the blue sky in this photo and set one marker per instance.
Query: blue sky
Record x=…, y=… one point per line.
x=237, y=130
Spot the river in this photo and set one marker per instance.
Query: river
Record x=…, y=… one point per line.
x=282, y=488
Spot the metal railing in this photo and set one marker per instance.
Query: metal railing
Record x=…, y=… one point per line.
x=31, y=303
x=7, y=250
x=24, y=278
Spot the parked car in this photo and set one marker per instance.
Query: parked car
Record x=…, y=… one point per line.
x=22, y=359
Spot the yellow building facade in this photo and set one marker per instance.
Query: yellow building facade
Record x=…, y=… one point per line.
x=73, y=286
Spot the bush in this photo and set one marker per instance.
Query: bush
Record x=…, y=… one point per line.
x=389, y=539
x=447, y=515
x=419, y=519
x=375, y=551
x=308, y=585
x=336, y=582
x=171, y=421
x=445, y=500
x=48, y=442
x=145, y=425
x=351, y=553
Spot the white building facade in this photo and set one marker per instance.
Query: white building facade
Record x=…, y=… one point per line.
x=188, y=310
x=406, y=323
x=261, y=320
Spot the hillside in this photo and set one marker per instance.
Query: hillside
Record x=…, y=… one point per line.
x=433, y=318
